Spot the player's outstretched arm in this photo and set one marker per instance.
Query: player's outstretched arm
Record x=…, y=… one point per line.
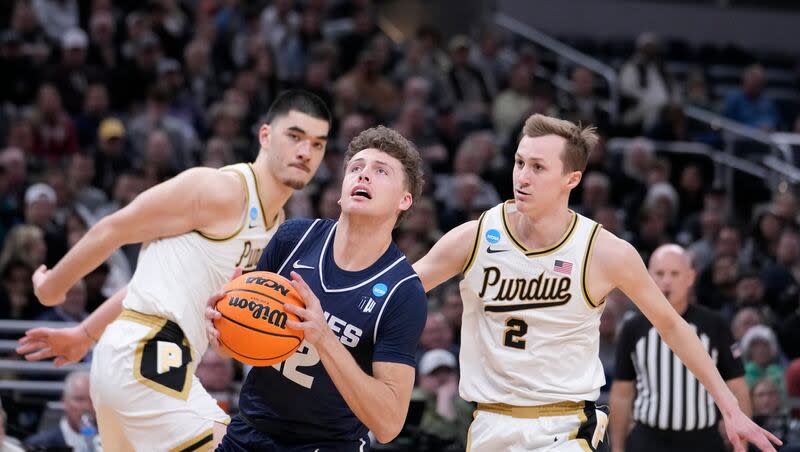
x=447, y=257
x=69, y=345
x=379, y=401
x=621, y=264
x=195, y=199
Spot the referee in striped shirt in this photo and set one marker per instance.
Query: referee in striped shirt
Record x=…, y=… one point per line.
x=671, y=409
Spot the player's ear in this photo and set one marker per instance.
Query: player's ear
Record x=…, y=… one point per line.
x=574, y=179
x=406, y=202
x=263, y=135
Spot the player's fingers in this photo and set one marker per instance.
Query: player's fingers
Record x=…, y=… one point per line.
x=62, y=361
x=237, y=272
x=212, y=314
x=38, y=333
x=30, y=347
x=45, y=353
x=41, y=269
x=214, y=299
x=296, y=310
x=295, y=325
x=774, y=439
x=305, y=292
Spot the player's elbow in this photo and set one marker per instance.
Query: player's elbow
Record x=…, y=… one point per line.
x=387, y=431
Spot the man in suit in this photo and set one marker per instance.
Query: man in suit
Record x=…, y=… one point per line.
x=77, y=403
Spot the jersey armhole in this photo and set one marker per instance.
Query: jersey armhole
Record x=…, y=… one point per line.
x=475, y=241
x=244, y=214
x=585, y=270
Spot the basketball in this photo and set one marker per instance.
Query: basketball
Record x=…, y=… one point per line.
x=253, y=327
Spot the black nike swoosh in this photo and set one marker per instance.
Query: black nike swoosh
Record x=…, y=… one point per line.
x=251, y=226
x=491, y=250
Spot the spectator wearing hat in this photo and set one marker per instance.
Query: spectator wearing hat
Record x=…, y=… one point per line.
x=761, y=354
x=111, y=155
x=446, y=416
x=72, y=75
x=40, y=211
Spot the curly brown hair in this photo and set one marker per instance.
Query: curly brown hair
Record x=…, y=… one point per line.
x=396, y=145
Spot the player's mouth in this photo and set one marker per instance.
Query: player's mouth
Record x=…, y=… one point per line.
x=300, y=166
x=360, y=191
x=520, y=192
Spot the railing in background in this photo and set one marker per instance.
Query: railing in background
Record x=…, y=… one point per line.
x=567, y=53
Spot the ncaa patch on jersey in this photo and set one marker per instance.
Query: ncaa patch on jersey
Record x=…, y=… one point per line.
x=492, y=236
x=366, y=305
x=379, y=289
x=253, y=213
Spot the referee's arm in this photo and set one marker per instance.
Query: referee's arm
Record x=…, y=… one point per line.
x=623, y=390
x=622, y=395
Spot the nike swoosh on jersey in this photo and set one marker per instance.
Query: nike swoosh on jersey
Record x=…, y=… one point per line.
x=298, y=265
x=491, y=250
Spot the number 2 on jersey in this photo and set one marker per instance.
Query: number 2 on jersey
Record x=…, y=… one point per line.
x=515, y=330
x=305, y=356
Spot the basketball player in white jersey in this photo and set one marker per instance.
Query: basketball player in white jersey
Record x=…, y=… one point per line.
x=196, y=229
x=535, y=278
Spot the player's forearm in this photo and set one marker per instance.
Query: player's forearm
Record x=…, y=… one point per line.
x=738, y=387
x=621, y=402
x=91, y=251
x=685, y=343
x=96, y=323
x=371, y=400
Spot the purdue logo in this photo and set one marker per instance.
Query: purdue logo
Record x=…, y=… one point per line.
x=168, y=355
x=248, y=260
x=271, y=283
x=260, y=311
x=541, y=289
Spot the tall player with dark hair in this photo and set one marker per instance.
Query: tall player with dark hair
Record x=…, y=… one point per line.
x=196, y=229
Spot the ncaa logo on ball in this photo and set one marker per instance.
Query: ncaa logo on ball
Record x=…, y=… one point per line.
x=492, y=236
x=379, y=289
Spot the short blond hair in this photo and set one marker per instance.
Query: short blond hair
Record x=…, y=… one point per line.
x=580, y=140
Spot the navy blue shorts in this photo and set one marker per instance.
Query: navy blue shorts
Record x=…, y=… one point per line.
x=242, y=437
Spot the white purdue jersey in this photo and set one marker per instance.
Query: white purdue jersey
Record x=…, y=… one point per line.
x=175, y=275
x=530, y=332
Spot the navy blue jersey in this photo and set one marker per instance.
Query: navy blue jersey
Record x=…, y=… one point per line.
x=377, y=313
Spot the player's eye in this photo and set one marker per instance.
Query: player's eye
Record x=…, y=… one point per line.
x=293, y=136
x=519, y=163
x=382, y=171
x=318, y=145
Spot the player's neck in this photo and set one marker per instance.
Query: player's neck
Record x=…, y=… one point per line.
x=541, y=229
x=359, y=244
x=271, y=192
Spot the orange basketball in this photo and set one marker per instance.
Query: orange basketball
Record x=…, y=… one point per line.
x=253, y=327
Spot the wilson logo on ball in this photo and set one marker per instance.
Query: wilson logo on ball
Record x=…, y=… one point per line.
x=262, y=311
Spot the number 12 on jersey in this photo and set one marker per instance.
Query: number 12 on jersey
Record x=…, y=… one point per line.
x=515, y=331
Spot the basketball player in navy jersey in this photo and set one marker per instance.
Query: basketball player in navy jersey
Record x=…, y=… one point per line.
x=364, y=312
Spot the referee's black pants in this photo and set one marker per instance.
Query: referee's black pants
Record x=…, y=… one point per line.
x=647, y=439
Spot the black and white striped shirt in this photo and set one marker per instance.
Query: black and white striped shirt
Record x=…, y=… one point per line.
x=668, y=396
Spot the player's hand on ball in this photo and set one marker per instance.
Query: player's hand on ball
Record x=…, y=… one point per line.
x=39, y=277
x=312, y=318
x=66, y=345
x=212, y=314
x=741, y=430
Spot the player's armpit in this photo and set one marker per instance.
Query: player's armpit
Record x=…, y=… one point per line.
x=448, y=256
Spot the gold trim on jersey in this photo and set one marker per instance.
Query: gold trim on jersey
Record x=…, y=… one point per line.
x=267, y=224
x=540, y=251
x=156, y=324
x=203, y=441
x=585, y=269
x=475, y=243
x=534, y=412
x=244, y=217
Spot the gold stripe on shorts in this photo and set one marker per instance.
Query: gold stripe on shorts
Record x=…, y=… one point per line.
x=203, y=441
x=533, y=412
x=144, y=319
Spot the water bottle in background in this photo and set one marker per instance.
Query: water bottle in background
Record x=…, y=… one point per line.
x=88, y=432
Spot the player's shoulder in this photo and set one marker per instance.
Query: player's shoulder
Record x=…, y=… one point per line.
x=612, y=252
x=294, y=229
